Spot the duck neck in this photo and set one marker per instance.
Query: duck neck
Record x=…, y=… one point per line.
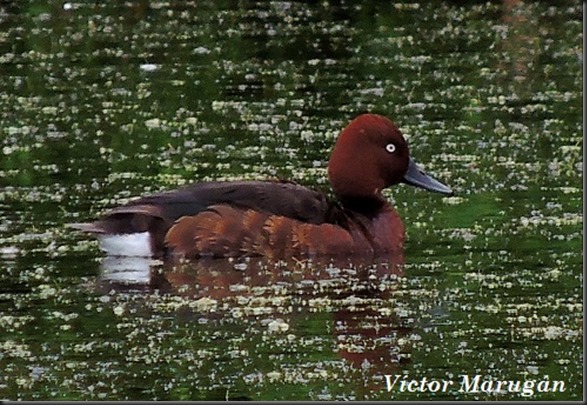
x=367, y=205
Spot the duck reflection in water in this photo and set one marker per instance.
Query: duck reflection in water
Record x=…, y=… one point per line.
x=358, y=294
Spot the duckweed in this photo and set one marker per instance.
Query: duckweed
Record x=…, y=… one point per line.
x=101, y=102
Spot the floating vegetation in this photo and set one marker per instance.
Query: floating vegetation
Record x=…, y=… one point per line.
x=100, y=102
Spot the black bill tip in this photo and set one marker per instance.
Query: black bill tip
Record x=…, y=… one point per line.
x=417, y=177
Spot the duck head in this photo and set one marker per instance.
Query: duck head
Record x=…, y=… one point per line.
x=370, y=155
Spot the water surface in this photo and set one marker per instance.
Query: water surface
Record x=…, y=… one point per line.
x=103, y=101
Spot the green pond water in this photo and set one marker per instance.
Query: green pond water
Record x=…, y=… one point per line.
x=103, y=101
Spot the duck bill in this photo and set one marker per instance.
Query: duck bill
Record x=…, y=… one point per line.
x=415, y=176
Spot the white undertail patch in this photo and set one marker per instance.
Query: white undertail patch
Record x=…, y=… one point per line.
x=128, y=244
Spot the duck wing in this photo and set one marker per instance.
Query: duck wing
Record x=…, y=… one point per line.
x=158, y=212
x=281, y=198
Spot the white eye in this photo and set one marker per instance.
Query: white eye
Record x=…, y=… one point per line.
x=390, y=147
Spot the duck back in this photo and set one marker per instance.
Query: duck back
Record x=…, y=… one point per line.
x=157, y=213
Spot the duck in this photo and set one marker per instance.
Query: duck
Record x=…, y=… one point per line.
x=278, y=218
